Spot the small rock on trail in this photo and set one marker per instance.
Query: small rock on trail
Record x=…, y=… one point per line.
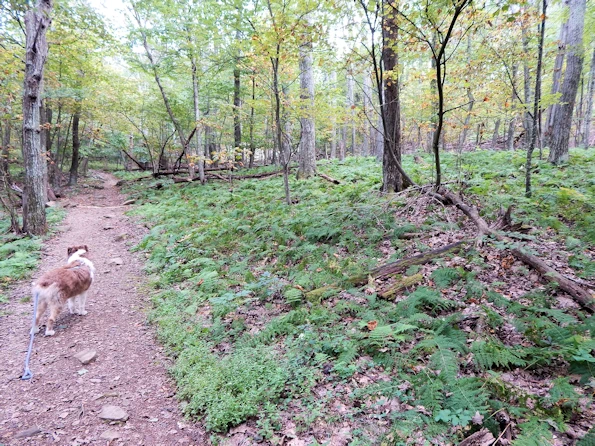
x=113, y=413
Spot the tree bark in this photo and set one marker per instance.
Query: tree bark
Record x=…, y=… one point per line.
x=37, y=22
x=574, y=64
x=527, y=86
x=5, y=155
x=368, y=115
x=534, y=126
x=512, y=122
x=557, y=75
x=589, y=111
x=307, y=153
x=351, y=106
x=237, y=103
x=392, y=180
x=76, y=145
x=199, y=161
x=333, y=119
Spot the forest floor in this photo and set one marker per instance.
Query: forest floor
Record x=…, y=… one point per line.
x=62, y=403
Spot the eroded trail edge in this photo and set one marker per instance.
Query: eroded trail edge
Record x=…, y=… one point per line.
x=64, y=401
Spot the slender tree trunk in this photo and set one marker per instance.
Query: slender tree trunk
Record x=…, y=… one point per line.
x=37, y=22
x=512, y=122
x=237, y=103
x=589, y=110
x=368, y=115
x=76, y=145
x=200, y=161
x=252, y=145
x=333, y=119
x=495, y=137
x=574, y=66
x=351, y=106
x=557, y=75
x=467, y=122
x=307, y=153
x=527, y=120
x=536, y=102
x=5, y=155
x=183, y=141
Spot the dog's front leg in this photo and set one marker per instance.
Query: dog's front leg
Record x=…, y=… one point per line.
x=82, y=300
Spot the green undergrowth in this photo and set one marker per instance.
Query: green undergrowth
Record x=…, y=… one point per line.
x=233, y=267
x=19, y=255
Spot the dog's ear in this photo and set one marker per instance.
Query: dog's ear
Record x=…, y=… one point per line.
x=86, y=248
x=71, y=251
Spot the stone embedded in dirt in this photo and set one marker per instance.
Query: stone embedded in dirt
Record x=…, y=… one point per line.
x=115, y=261
x=127, y=202
x=86, y=356
x=28, y=433
x=121, y=237
x=108, y=227
x=113, y=413
x=108, y=216
x=50, y=204
x=110, y=435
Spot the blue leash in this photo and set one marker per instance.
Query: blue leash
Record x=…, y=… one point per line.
x=28, y=374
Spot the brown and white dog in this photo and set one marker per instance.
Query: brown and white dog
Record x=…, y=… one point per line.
x=69, y=283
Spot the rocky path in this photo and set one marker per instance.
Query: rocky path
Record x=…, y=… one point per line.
x=63, y=403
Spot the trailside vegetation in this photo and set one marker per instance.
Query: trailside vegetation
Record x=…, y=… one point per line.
x=256, y=302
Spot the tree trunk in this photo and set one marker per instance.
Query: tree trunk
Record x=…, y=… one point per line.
x=512, y=122
x=307, y=154
x=76, y=145
x=199, y=161
x=351, y=105
x=535, y=103
x=589, y=111
x=495, y=137
x=368, y=115
x=527, y=87
x=333, y=119
x=5, y=155
x=558, y=63
x=574, y=65
x=237, y=103
x=252, y=146
x=392, y=180
x=176, y=123
x=37, y=22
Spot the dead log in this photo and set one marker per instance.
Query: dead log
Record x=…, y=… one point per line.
x=584, y=297
x=401, y=284
x=327, y=178
x=400, y=265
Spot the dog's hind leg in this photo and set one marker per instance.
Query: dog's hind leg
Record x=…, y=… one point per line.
x=82, y=300
x=41, y=307
x=71, y=305
x=54, y=312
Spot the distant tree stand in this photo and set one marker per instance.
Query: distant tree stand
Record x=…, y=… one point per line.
x=37, y=22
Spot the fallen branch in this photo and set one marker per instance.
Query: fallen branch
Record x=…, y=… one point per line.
x=581, y=295
x=327, y=178
x=401, y=284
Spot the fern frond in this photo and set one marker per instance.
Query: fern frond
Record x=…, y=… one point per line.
x=444, y=277
x=467, y=393
x=445, y=362
x=534, y=433
x=491, y=353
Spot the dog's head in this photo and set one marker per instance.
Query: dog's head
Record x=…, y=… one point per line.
x=75, y=249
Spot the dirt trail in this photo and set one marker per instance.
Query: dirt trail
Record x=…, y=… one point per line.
x=63, y=401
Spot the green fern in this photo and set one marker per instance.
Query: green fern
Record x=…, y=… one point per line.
x=444, y=277
x=587, y=440
x=534, y=433
x=467, y=393
x=445, y=362
x=492, y=353
x=293, y=296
